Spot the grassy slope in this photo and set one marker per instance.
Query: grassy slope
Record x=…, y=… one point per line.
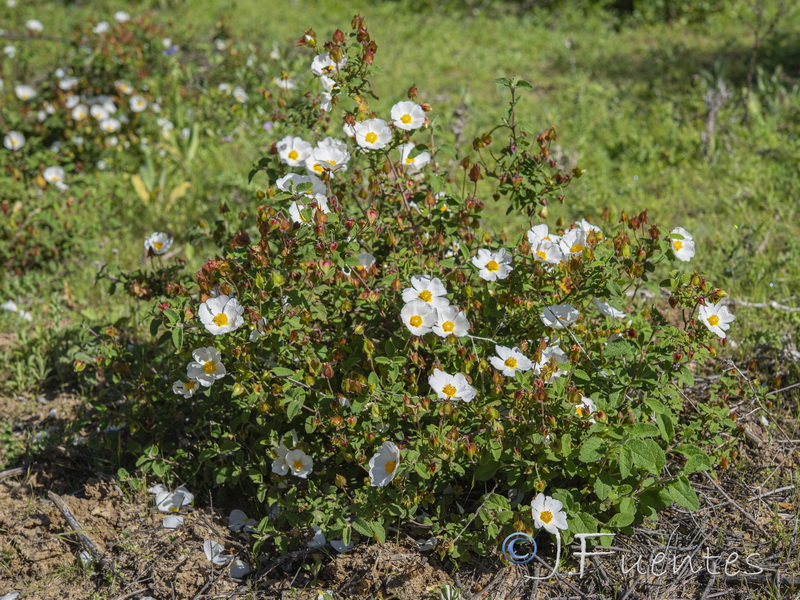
x=627, y=104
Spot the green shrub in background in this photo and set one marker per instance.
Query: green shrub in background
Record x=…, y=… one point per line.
x=359, y=354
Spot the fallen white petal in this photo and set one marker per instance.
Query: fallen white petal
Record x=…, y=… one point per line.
x=239, y=568
x=172, y=522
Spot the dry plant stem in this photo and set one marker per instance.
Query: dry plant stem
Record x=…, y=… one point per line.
x=131, y=594
x=13, y=472
x=747, y=515
x=84, y=539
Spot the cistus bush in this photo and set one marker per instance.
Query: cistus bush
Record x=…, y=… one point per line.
x=361, y=355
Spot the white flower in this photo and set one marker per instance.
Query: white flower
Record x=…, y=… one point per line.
x=279, y=465
x=110, y=125
x=349, y=130
x=324, y=65
x=553, y=353
x=185, y=389
x=25, y=92
x=493, y=265
x=166, y=43
x=239, y=94
x=257, y=333
x=138, y=103
x=300, y=464
x=290, y=182
x=547, y=513
x=170, y=502
x=327, y=158
x=68, y=83
x=419, y=316
x=373, y=134
x=332, y=143
x=326, y=102
x=53, y=174
x=214, y=553
x=510, y=360
x=383, y=464
x=123, y=87
x=14, y=140
x=451, y=387
x=101, y=28
x=98, y=112
x=407, y=115
x=573, y=242
x=545, y=246
x=608, y=310
x=293, y=150
x=295, y=209
x=158, y=243
x=237, y=520
x=34, y=25
x=172, y=522
x=284, y=83
x=222, y=314
x=428, y=290
x=682, y=244
x=559, y=316
x=451, y=321
x=716, y=317
x=586, y=408
x=72, y=101
x=328, y=83
x=206, y=367
x=225, y=88
x=415, y=163
x=121, y=16
x=10, y=51
x=588, y=227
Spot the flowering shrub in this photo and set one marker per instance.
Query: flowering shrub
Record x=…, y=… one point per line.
x=361, y=355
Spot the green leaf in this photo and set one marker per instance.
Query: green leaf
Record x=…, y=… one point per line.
x=177, y=338
x=524, y=85
x=591, y=450
x=379, y=531
x=362, y=527
x=696, y=459
x=486, y=471
x=666, y=427
x=625, y=462
x=647, y=455
x=293, y=408
x=620, y=348
x=640, y=430
x=582, y=522
x=682, y=494
x=282, y=371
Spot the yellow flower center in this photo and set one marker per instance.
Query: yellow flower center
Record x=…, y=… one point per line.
x=541, y=254
x=677, y=244
x=371, y=137
x=318, y=167
x=409, y=161
x=449, y=391
x=297, y=465
x=221, y=320
x=448, y=326
x=405, y=119
x=415, y=321
x=511, y=362
x=391, y=465
x=331, y=162
x=576, y=248
x=158, y=245
x=190, y=385
x=444, y=207
x=579, y=410
x=545, y=516
x=293, y=155
x=426, y=295
x=209, y=367
x=492, y=266
x=713, y=320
